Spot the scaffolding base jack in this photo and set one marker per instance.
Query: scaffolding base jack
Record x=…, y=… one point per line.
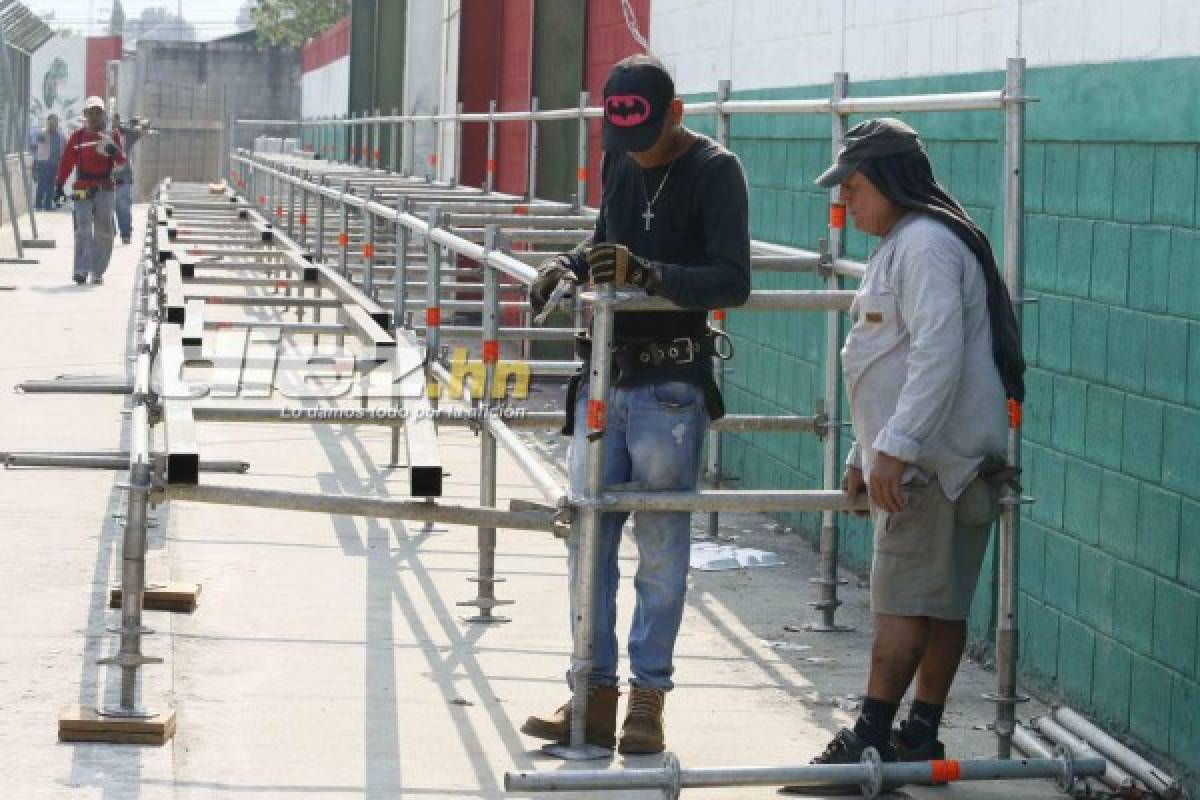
x=178, y=598
x=584, y=752
x=89, y=725
x=485, y=604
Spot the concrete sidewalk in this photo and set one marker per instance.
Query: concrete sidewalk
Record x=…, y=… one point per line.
x=327, y=657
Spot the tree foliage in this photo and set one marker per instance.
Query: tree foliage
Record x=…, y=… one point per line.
x=292, y=22
x=157, y=22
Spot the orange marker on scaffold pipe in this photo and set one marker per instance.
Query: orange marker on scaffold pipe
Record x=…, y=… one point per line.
x=597, y=416
x=837, y=216
x=433, y=317
x=1014, y=414
x=491, y=351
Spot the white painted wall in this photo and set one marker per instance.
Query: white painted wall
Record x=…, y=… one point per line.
x=450, y=22
x=778, y=43
x=423, y=69
x=57, y=76
x=326, y=91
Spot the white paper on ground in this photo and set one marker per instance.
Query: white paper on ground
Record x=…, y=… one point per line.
x=713, y=557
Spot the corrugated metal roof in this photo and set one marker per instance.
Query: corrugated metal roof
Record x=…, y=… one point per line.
x=23, y=30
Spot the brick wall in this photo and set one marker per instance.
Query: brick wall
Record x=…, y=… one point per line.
x=1110, y=553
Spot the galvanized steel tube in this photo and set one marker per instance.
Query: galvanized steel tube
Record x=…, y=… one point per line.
x=1010, y=519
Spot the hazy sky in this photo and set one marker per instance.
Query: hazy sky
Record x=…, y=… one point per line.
x=211, y=17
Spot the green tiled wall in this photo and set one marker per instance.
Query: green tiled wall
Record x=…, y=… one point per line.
x=1109, y=556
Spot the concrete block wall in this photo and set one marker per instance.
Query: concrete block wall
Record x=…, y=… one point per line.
x=258, y=82
x=1110, y=553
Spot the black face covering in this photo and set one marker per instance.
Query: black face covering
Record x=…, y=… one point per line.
x=907, y=180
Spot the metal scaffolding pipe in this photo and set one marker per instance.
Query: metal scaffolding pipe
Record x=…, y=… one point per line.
x=767, y=501
x=363, y=506
x=114, y=461
x=1112, y=775
x=1155, y=779
x=871, y=776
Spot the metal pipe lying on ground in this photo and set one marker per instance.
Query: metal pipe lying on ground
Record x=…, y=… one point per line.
x=1112, y=776
x=871, y=775
x=1155, y=779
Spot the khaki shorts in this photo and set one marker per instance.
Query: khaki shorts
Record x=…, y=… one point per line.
x=928, y=556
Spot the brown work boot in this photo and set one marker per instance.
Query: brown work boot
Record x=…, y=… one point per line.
x=642, y=732
x=601, y=722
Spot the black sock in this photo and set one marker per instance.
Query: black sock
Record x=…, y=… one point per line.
x=923, y=721
x=874, y=725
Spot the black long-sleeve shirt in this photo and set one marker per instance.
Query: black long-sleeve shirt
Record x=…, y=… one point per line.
x=699, y=235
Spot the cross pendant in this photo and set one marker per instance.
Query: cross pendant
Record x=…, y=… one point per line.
x=648, y=215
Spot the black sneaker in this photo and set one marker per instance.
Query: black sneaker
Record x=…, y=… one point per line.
x=846, y=748
x=80, y=279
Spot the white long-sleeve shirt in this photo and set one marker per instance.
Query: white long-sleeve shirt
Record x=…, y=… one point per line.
x=918, y=364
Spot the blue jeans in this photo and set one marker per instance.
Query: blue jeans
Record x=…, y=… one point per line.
x=44, y=174
x=124, y=204
x=94, y=233
x=655, y=439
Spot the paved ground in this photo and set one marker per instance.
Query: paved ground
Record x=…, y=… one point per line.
x=327, y=657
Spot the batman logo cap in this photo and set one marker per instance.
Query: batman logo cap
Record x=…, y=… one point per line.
x=637, y=94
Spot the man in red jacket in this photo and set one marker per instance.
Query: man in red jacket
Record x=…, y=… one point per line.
x=93, y=152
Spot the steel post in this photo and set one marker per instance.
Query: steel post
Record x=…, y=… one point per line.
x=829, y=581
x=129, y=656
x=344, y=231
x=368, y=251
x=486, y=579
x=713, y=524
x=399, y=298
x=394, y=143
x=489, y=175
x=532, y=166
x=588, y=531
x=581, y=163
x=1006, y=696
x=456, y=171
x=376, y=141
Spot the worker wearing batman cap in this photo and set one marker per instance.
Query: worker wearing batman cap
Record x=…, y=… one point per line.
x=931, y=355
x=673, y=221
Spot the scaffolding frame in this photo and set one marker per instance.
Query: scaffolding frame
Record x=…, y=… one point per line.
x=486, y=218
x=404, y=226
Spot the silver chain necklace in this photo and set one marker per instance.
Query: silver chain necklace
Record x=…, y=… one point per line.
x=648, y=214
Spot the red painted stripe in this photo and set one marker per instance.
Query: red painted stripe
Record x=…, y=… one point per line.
x=100, y=50
x=328, y=46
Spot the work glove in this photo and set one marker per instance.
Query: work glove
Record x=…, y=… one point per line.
x=613, y=263
x=59, y=195
x=550, y=273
